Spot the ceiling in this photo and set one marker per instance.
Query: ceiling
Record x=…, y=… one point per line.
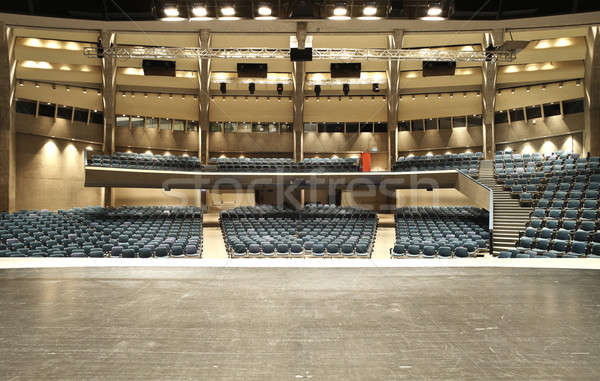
x=126, y=10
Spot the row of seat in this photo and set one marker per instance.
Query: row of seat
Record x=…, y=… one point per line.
x=565, y=218
x=286, y=165
x=440, y=231
x=146, y=161
x=465, y=161
x=316, y=230
x=99, y=232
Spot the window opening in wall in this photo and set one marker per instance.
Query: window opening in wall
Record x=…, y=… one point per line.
x=573, y=106
x=178, y=125
x=165, y=123
x=431, y=124
x=151, y=122
x=474, y=121
x=193, y=125
x=97, y=117
x=551, y=109
x=459, y=121
x=404, y=125
x=366, y=127
x=352, y=127
x=64, y=112
x=273, y=128
x=445, y=123
x=259, y=127
x=380, y=127
x=501, y=117
x=285, y=127
x=245, y=127
x=80, y=115
x=517, y=115
x=533, y=112
x=334, y=127
x=25, y=106
x=310, y=127
x=418, y=125
x=137, y=122
x=122, y=121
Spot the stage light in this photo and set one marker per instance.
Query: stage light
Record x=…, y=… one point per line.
x=578, y=83
x=560, y=85
x=228, y=11
x=21, y=83
x=280, y=88
x=434, y=10
x=251, y=87
x=264, y=10
x=68, y=88
x=317, y=90
x=340, y=12
x=376, y=87
x=369, y=10
x=200, y=11
x=171, y=11
x=346, y=89
x=223, y=87
x=37, y=85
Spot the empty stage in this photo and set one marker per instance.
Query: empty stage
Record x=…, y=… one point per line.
x=292, y=323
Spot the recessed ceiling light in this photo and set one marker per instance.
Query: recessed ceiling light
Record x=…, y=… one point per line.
x=200, y=11
x=264, y=10
x=369, y=10
x=434, y=10
x=171, y=11
x=228, y=10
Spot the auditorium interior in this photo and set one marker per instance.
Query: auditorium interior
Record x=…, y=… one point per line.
x=300, y=189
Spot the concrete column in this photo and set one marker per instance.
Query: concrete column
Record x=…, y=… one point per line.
x=393, y=91
x=489, y=72
x=204, y=98
x=591, y=82
x=7, y=120
x=298, y=79
x=109, y=96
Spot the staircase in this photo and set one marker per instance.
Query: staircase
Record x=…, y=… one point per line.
x=509, y=216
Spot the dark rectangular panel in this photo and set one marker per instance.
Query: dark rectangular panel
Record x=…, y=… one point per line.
x=252, y=70
x=159, y=67
x=435, y=68
x=345, y=70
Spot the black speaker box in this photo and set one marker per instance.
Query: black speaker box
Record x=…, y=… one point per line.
x=435, y=68
x=345, y=70
x=300, y=54
x=252, y=70
x=157, y=67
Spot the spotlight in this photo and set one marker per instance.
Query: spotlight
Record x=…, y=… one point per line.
x=251, y=87
x=280, y=88
x=560, y=85
x=376, y=87
x=264, y=10
x=200, y=11
x=85, y=91
x=223, y=87
x=21, y=83
x=317, y=90
x=37, y=85
x=528, y=89
x=171, y=11
x=228, y=11
x=340, y=12
x=578, y=83
x=346, y=89
x=434, y=10
x=544, y=87
x=68, y=88
x=369, y=10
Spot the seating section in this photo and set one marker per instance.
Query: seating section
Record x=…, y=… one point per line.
x=126, y=232
x=526, y=176
x=442, y=232
x=145, y=161
x=286, y=165
x=565, y=218
x=468, y=162
x=315, y=231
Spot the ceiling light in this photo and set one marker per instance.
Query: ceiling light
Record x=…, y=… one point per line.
x=578, y=83
x=21, y=83
x=432, y=18
x=228, y=10
x=434, y=10
x=200, y=11
x=560, y=85
x=85, y=91
x=171, y=11
x=264, y=10
x=37, y=85
x=369, y=10
x=68, y=88
x=340, y=13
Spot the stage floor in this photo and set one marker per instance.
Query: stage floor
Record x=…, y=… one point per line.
x=225, y=323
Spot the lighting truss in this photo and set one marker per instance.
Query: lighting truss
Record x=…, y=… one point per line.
x=363, y=54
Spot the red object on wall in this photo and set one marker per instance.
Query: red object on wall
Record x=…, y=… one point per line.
x=365, y=157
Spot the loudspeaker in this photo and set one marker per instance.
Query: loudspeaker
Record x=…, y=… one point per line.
x=345, y=70
x=297, y=55
x=157, y=67
x=435, y=68
x=252, y=70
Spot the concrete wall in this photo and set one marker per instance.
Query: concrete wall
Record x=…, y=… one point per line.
x=250, y=142
x=440, y=140
x=151, y=197
x=153, y=138
x=437, y=197
x=337, y=142
x=50, y=174
x=59, y=128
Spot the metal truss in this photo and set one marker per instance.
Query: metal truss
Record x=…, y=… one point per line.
x=170, y=53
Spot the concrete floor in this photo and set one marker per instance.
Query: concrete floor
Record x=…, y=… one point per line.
x=152, y=323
